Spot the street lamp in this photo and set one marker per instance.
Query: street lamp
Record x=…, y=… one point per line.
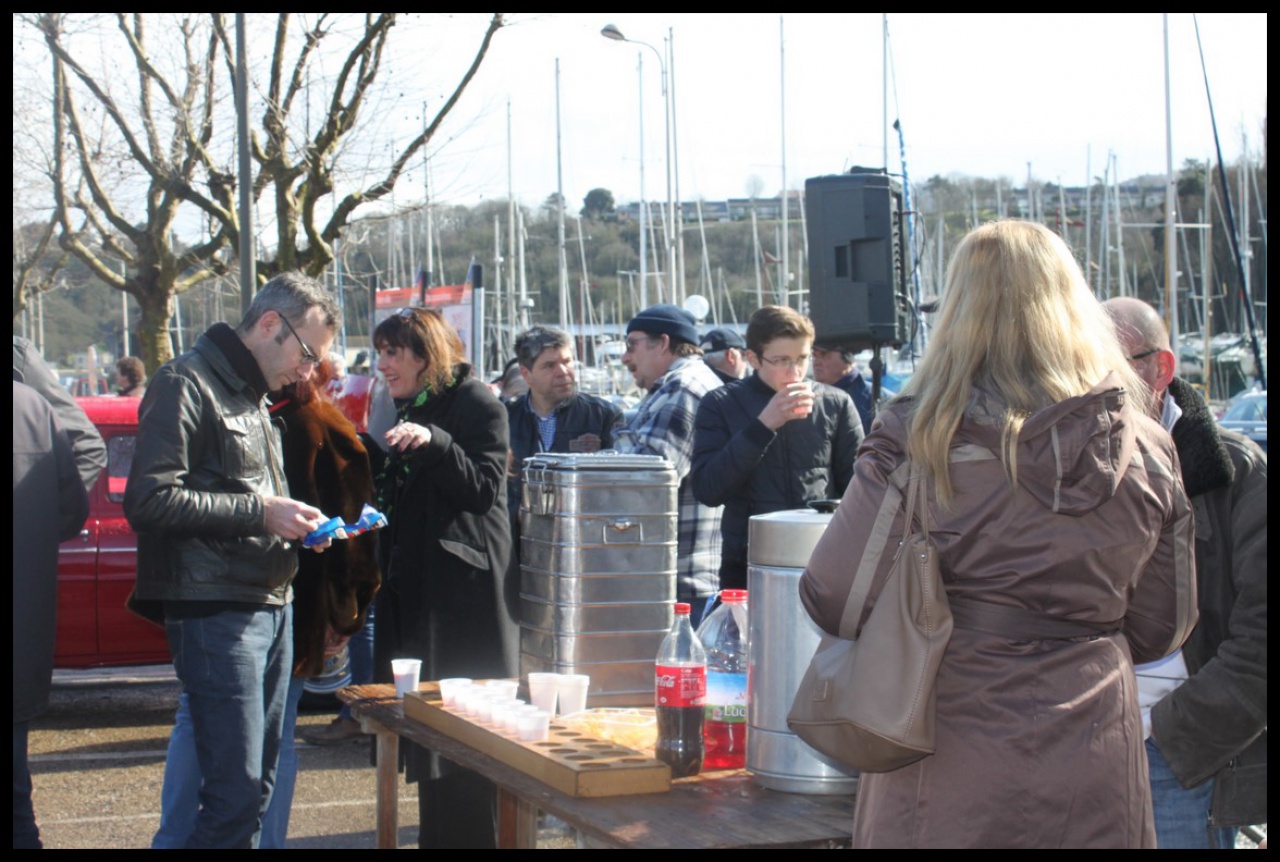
x=609, y=31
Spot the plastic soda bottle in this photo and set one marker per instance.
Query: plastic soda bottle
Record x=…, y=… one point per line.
x=680, y=694
x=724, y=637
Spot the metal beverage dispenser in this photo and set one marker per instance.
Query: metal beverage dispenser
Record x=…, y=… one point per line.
x=782, y=640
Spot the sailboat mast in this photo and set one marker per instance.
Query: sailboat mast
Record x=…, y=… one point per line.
x=784, y=283
x=561, y=259
x=1170, y=208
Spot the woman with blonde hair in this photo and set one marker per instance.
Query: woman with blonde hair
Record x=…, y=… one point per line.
x=1064, y=538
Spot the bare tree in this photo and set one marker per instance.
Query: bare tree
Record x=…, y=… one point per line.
x=33, y=271
x=130, y=168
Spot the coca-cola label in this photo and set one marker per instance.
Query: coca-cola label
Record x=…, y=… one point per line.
x=680, y=685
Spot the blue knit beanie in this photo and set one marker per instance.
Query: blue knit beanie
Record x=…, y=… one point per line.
x=666, y=319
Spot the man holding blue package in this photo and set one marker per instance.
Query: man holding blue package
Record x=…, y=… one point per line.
x=208, y=499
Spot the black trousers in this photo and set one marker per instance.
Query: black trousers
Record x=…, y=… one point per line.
x=457, y=811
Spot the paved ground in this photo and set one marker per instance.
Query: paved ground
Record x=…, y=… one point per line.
x=98, y=763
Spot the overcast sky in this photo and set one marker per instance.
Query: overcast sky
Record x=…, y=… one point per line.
x=978, y=94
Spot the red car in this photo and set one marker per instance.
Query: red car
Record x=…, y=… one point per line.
x=97, y=569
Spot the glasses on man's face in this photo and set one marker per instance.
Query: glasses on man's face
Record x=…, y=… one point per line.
x=633, y=343
x=786, y=362
x=1138, y=357
x=308, y=355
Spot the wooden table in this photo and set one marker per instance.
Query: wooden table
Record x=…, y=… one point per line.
x=717, y=809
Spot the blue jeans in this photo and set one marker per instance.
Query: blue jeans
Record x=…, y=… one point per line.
x=180, y=794
x=234, y=666
x=1182, y=814
x=26, y=835
x=360, y=654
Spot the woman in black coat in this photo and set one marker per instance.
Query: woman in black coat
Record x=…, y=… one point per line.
x=445, y=549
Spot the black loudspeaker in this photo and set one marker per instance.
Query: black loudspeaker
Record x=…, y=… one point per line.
x=857, y=260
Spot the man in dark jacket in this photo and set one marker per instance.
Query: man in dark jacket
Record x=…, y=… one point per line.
x=722, y=350
x=834, y=366
x=552, y=416
x=208, y=499
x=49, y=506
x=86, y=442
x=1207, y=725
x=772, y=441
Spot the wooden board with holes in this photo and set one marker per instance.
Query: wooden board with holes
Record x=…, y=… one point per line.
x=571, y=762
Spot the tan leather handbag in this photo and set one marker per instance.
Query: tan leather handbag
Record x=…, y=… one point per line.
x=868, y=703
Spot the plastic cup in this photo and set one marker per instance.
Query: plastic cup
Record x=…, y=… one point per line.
x=451, y=688
x=502, y=710
x=406, y=671
x=573, y=692
x=534, y=726
x=511, y=722
x=507, y=687
x=543, y=688
x=484, y=708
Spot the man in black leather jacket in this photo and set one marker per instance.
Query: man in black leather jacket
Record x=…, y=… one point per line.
x=208, y=499
x=1207, y=742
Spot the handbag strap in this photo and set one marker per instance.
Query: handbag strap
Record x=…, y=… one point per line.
x=915, y=508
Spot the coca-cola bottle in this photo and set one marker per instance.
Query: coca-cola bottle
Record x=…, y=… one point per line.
x=680, y=693
x=724, y=637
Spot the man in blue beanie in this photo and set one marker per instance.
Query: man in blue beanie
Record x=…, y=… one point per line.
x=663, y=356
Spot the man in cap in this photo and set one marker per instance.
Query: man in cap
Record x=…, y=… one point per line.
x=663, y=355
x=834, y=366
x=1204, y=708
x=722, y=349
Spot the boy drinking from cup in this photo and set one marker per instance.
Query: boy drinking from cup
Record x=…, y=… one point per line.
x=773, y=440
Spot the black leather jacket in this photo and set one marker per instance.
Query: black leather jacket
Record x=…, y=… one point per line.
x=206, y=455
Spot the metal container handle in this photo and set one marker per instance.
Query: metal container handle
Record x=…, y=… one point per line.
x=623, y=525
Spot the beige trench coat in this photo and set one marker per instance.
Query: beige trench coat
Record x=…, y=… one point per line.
x=1039, y=743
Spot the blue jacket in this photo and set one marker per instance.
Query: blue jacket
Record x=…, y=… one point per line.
x=740, y=464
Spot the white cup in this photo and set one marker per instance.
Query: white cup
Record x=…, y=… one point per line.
x=511, y=721
x=406, y=671
x=485, y=705
x=543, y=688
x=573, y=692
x=534, y=726
x=451, y=688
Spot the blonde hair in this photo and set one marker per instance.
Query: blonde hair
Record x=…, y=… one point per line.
x=1018, y=318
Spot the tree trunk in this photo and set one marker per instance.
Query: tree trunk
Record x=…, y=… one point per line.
x=154, y=342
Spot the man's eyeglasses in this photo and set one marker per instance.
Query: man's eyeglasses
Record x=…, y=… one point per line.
x=308, y=355
x=785, y=361
x=1144, y=354
x=634, y=343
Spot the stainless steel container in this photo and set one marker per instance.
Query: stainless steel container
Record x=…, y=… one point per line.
x=597, y=559
x=782, y=640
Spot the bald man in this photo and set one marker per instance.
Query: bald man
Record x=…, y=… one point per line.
x=1205, y=707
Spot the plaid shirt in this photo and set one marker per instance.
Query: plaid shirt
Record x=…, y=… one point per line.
x=663, y=425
